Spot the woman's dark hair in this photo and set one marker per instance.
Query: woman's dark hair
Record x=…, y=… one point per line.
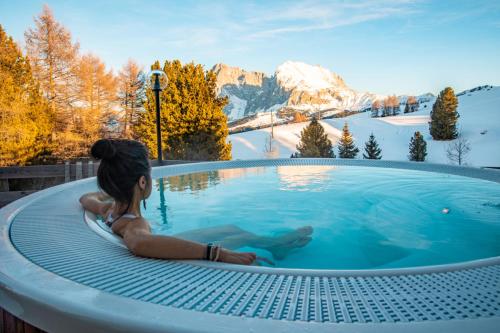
x=123, y=162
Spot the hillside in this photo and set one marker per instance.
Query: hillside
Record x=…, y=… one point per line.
x=479, y=113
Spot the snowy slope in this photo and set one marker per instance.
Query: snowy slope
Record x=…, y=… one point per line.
x=479, y=112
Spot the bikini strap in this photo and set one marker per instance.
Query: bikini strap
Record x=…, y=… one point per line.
x=130, y=216
x=110, y=220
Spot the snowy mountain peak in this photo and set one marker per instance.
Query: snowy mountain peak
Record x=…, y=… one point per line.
x=294, y=87
x=301, y=76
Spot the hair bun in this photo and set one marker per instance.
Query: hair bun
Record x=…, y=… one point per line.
x=103, y=149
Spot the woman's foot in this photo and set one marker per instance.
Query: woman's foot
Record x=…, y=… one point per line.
x=294, y=235
x=289, y=241
x=280, y=252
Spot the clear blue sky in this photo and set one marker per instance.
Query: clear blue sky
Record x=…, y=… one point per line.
x=382, y=46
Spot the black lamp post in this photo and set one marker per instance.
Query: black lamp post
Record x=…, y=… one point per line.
x=157, y=89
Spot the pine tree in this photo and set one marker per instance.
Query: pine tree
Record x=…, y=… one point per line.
x=25, y=118
x=407, y=108
x=347, y=149
x=314, y=142
x=418, y=148
x=372, y=150
x=193, y=125
x=415, y=106
x=444, y=116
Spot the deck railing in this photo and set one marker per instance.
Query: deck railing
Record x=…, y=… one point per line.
x=44, y=176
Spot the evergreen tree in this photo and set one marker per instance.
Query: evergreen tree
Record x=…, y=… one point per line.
x=444, y=116
x=407, y=108
x=25, y=118
x=347, y=149
x=314, y=142
x=415, y=106
x=372, y=150
x=418, y=148
x=193, y=125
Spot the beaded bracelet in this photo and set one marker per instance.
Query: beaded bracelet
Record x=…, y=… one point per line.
x=209, y=251
x=212, y=251
x=217, y=253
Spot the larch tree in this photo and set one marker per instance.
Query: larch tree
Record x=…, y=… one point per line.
x=396, y=108
x=372, y=150
x=418, y=148
x=346, y=147
x=53, y=56
x=25, y=118
x=411, y=105
x=391, y=106
x=131, y=94
x=97, y=101
x=444, y=116
x=376, y=106
x=314, y=142
x=193, y=124
x=458, y=150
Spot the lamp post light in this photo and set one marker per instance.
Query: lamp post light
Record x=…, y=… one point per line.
x=157, y=88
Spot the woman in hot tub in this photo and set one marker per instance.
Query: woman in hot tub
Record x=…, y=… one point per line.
x=124, y=175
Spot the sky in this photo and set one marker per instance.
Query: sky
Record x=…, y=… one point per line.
x=380, y=46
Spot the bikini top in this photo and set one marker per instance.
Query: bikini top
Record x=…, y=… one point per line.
x=110, y=220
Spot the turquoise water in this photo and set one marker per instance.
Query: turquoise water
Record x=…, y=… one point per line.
x=362, y=217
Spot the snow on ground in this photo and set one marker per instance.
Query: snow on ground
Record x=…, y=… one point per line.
x=479, y=113
x=407, y=120
x=261, y=118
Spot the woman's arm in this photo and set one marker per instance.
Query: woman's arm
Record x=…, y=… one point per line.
x=96, y=202
x=141, y=242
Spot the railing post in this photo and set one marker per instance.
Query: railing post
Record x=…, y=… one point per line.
x=4, y=185
x=67, y=172
x=78, y=171
x=90, y=168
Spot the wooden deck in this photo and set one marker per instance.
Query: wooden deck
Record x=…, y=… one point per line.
x=11, y=324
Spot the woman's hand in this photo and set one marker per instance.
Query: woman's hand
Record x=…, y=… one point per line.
x=240, y=258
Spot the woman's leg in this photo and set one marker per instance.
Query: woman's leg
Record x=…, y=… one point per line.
x=233, y=237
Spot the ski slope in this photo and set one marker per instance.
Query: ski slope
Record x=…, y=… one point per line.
x=479, y=123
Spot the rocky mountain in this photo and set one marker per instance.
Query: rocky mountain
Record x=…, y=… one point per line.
x=294, y=86
x=248, y=92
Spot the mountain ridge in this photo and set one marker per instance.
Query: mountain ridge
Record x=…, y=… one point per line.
x=294, y=87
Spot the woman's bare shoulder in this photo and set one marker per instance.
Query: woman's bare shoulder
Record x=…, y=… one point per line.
x=138, y=224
